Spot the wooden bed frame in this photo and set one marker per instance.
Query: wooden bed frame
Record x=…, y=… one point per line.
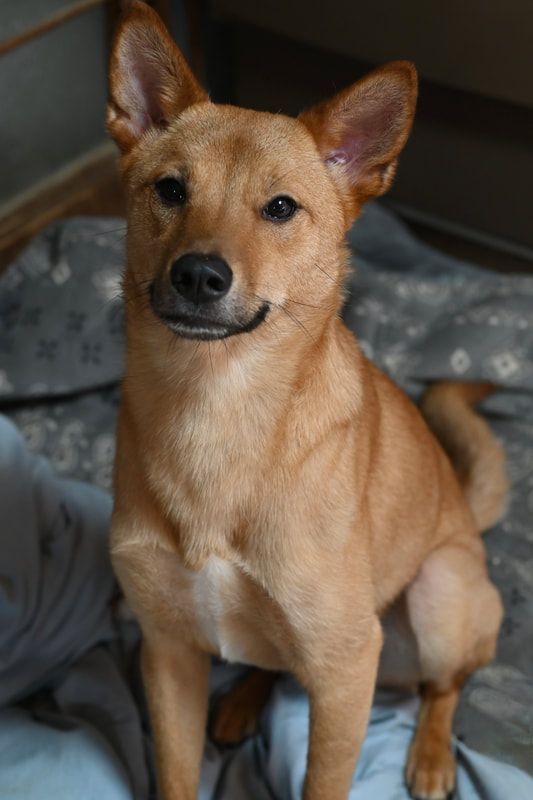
x=88, y=185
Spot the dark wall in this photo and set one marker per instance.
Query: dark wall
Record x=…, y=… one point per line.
x=469, y=162
x=53, y=98
x=53, y=89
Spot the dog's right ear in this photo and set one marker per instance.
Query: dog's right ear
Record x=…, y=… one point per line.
x=150, y=82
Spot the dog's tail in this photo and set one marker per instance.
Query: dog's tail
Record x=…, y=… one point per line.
x=475, y=453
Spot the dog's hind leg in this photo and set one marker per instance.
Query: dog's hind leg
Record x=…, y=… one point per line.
x=430, y=772
x=236, y=713
x=455, y=613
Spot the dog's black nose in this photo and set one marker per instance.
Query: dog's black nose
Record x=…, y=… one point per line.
x=201, y=278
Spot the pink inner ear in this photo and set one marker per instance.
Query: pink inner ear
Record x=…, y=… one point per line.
x=349, y=157
x=142, y=93
x=368, y=131
x=337, y=158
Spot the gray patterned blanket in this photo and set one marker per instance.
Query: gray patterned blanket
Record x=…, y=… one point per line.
x=419, y=314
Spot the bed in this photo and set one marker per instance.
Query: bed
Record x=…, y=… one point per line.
x=72, y=715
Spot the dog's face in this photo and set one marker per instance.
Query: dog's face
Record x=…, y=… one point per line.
x=237, y=215
x=225, y=225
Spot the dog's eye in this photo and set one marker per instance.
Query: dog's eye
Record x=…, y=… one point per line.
x=280, y=209
x=171, y=191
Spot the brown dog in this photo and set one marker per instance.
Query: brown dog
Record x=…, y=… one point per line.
x=275, y=493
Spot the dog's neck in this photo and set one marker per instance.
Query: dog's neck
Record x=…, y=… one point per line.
x=247, y=385
x=228, y=370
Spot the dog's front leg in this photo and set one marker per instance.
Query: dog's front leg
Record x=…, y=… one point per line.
x=176, y=681
x=340, y=697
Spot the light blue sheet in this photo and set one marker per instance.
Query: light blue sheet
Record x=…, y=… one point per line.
x=79, y=736
x=69, y=725
x=40, y=762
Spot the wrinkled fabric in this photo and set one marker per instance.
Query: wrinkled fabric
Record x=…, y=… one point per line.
x=55, y=579
x=64, y=685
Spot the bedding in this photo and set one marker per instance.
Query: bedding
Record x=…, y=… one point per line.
x=72, y=716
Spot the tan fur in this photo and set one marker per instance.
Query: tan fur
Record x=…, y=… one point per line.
x=275, y=493
x=237, y=712
x=476, y=455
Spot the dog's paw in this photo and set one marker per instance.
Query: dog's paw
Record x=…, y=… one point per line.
x=430, y=773
x=232, y=721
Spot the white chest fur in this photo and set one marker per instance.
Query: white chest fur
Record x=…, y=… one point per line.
x=225, y=616
x=214, y=591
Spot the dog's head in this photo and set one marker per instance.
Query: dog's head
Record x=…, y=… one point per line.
x=236, y=215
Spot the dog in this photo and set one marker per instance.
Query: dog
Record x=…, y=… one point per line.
x=278, y=501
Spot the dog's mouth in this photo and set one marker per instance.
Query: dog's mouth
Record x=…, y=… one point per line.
x=206, y=330
x=199, y=326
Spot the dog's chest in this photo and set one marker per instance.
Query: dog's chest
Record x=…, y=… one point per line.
x=228, y=615
x=208, y=466
x=212, y=591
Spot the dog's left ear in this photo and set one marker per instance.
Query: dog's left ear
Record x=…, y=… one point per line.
x=149, y=80
x=361, y=131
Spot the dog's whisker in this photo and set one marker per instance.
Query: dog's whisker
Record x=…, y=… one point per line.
x=142, y=284
x=192, y=357
x=299, y=303
x=285, y=310
x=171, y=341
x=296, y=320
x=292, y=300
x=332, y=279
x=227, y=351
x=272, y=324
x=97, y=234
x=210, y=358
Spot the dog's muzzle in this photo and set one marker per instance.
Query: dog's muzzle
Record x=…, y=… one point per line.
x=193, y=299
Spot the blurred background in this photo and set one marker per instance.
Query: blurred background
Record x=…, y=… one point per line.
x=465, y=181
